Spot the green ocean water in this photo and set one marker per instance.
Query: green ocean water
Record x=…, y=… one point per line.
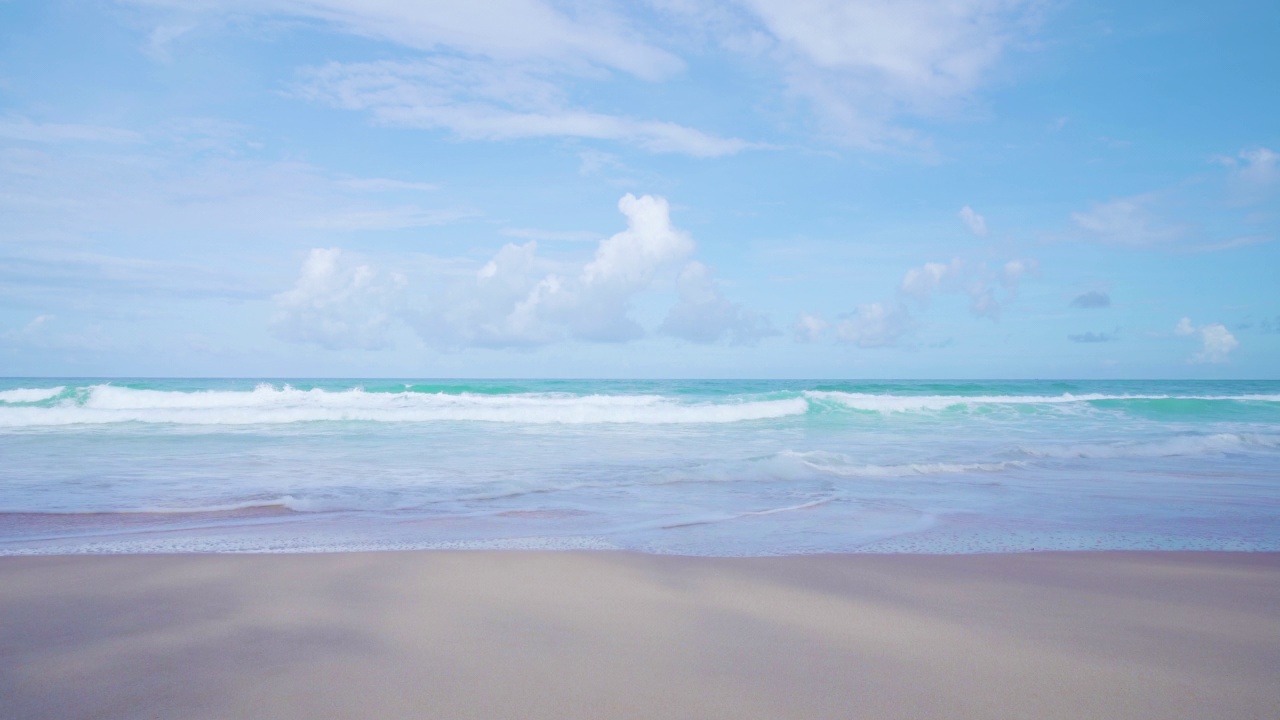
x=754, y=467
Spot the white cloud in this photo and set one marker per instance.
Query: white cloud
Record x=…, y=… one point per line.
x=808, y=328
x=1217, y=341
x=1126, y=221
x=161, y=39
x=1258, y=166
x=1254, y=166
x=876, y=325
x=922, y=282
x=704, y=315
x=479, y=99
x=552, y=235
x=1092, y=299
x=863, y=64
x=95, y=282
x=975, y=280
x=30, y=334
x=514, y=30
x=488, y=71
x=377, y=185
x=386, y=218
x=37, y=322
x=336, y=304
x=1254, y=172
x=518, y=298
x=975, y=222
x=195, y=181
x=1233, y=243
x=20, y=128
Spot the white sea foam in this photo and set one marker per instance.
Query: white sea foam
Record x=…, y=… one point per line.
x=908, y=403
x=1172, y=447
x=269, y=405
x=265, y=404
x=840, y=465
x=30, y=395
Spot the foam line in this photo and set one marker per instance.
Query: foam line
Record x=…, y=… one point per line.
x=30, y=395
x=265, y=404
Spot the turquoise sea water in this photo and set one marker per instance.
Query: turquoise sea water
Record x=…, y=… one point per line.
x=688, y=467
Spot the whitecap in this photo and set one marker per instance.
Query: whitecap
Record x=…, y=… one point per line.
x=30, y=395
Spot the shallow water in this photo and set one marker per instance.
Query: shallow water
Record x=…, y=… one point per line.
x=689, y=467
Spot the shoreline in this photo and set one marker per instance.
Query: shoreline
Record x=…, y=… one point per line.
x=618, y=634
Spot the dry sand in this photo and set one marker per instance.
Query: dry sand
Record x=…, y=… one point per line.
x=615, y=635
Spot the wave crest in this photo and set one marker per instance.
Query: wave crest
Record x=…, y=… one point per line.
x=908, y=403
x=30, y=395
x=266, y=404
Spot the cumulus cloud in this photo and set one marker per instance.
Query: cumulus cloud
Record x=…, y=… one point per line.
x=518, y=298
x=922, y=282
x=521, y=299
x=978, y=281
x=876, y=325
x=1126, y=221
x=975, y=222
x=1092, y=299
x=336, y=304
x=1217, y=341
x=704, y=315
x=808, y=328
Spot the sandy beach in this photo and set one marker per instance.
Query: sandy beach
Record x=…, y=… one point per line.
x=617, y=635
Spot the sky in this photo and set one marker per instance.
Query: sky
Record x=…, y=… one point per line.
x=658, y=188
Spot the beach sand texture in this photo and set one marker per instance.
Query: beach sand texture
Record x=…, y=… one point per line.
x=618, y=635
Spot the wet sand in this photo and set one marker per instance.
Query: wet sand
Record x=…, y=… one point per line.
x=618, y=635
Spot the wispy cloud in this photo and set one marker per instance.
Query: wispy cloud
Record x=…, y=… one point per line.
x=1126, y=221
x=512, y=30
x=1092, y=337
x=704, y=315
x=20, y=128
x=479, y=99
x=863, y=66
x=552, y=235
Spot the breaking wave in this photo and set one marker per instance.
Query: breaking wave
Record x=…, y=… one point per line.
x=266, y=404
x=907, y=403
x=30, y=395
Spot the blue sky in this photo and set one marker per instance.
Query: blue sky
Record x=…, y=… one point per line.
x=672, y=188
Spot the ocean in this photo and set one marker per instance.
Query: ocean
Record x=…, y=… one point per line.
x=674, y=467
